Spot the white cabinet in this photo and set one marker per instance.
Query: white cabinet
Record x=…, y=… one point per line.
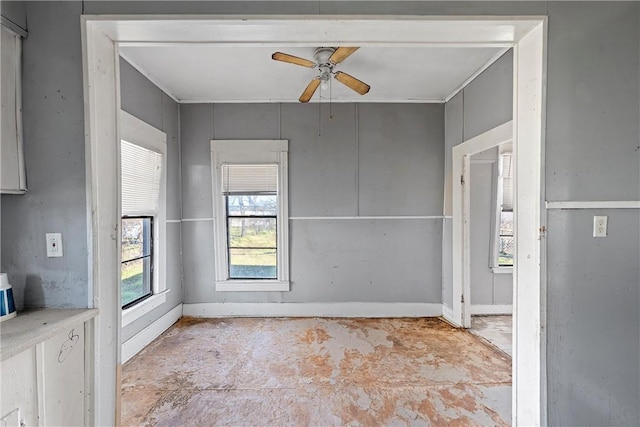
x=12, y=171
x=19, y=399
x=44, y=385
x=43, y=368
x=60, y=364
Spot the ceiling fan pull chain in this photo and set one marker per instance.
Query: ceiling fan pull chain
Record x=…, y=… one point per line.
x=320, y=117
x=330, y=96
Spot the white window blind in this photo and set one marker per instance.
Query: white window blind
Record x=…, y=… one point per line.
x=243, y=179
x=141, y=171
x=506, y=173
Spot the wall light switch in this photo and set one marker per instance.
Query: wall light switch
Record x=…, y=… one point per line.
x=54, y=245
x=599, y=226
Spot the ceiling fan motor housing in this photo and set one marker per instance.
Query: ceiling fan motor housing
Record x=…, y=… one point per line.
x=322, y=55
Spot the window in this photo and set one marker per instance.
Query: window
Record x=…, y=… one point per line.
x=143, y=176
x=251, y=198
x=251, y=219
x=137, y=259
x=505, y=241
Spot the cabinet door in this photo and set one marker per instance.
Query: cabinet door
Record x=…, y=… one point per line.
x=12, y=174
x=19, y=399
x=62, y=361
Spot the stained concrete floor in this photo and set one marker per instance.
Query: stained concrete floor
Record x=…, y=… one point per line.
x=316, y=372
x=495, y=329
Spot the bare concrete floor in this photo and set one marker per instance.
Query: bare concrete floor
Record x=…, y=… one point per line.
x=316, y=372
x=495, y=329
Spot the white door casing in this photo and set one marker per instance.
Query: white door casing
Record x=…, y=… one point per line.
x=101, y=36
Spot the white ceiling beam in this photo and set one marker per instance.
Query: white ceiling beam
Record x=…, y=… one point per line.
x=313, y=29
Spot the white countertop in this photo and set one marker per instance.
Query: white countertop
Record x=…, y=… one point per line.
x=33, y=326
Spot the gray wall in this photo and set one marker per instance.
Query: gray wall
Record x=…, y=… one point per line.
x=591, y=154
x=320, y=7
x=483, y=104
x=487, y=287
x=15, y=12
x=141, y=98
x=53, y=113
x=593, y=295
x=370, y=160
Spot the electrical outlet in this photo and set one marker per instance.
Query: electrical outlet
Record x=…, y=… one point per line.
x=599, y=226
x=54, y=245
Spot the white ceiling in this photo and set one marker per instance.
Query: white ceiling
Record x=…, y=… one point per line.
x=206, y=72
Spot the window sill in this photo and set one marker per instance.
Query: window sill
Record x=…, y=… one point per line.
x=502, y=270
x=252, y=286
x=132, y=314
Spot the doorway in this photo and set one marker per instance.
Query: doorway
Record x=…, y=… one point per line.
x=101, y=36
x=462, y=216
x=492, y=246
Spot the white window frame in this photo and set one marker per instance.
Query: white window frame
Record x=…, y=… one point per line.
x=250, y=152
x=140, y=133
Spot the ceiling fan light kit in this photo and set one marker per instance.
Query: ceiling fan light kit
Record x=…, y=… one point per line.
x=326, y=59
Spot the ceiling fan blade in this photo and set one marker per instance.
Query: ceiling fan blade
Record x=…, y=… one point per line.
x=341, y=54
x=310, y=90
x=352, y=83
x=284, y=57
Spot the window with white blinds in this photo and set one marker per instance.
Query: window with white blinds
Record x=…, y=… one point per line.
x=249, y=179
x=506, y=174
x=143, y=242
x=141, y=172
x=250, y=214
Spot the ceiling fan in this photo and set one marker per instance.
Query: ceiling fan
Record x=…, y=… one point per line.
x=326, y=58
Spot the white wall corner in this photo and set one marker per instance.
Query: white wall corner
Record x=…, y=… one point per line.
x=473, y=76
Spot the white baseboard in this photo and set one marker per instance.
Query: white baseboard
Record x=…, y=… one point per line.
x=491, y=309
x=338, y=309
x=140, y=340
